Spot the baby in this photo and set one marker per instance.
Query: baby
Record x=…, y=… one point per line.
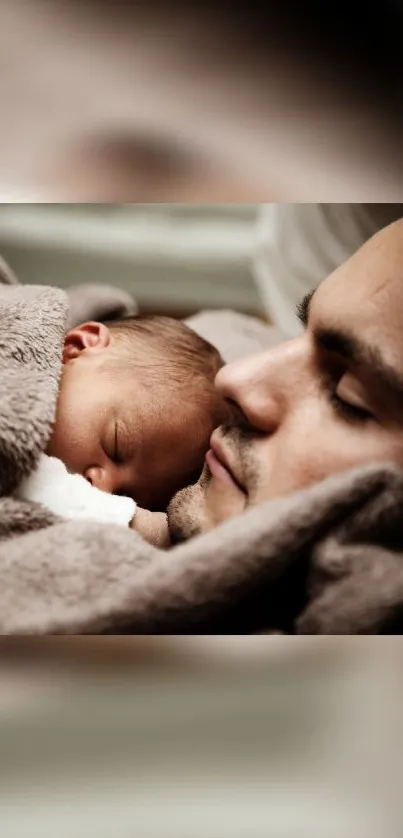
x=135, y=411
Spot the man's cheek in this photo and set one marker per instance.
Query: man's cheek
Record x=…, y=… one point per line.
x=338, y=449
x=223, y=502
x=316, y=446
x=299, y=467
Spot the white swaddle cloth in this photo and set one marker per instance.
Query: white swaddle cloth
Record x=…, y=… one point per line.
x=72, y=496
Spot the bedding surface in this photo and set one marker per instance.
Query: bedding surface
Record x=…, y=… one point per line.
x=328, y=559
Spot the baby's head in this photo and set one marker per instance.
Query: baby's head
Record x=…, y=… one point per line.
x=136, y=406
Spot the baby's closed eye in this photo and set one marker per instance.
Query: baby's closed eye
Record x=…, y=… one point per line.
x=110, y=443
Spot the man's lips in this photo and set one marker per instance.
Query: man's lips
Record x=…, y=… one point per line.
x=218, y=464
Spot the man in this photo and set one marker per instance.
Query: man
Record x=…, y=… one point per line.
x=326, y=401
x=314, y=551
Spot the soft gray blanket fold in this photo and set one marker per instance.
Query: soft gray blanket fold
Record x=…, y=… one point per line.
x=326, y=560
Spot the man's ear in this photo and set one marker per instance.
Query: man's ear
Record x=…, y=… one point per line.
x=90, y=336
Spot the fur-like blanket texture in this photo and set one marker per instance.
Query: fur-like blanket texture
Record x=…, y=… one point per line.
x=328, y=559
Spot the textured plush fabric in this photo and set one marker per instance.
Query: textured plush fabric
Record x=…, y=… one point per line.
x=326, y=560
x=98, y=302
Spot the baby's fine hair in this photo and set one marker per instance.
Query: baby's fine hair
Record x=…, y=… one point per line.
x=171, y=351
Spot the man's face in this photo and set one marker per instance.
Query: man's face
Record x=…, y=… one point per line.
x=327, y=401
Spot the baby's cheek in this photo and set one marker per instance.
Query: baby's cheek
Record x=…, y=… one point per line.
x=222, y=413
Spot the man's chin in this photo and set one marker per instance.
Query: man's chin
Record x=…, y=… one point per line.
x=186, y=511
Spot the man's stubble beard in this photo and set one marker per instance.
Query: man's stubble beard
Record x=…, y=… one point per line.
x=186, y=510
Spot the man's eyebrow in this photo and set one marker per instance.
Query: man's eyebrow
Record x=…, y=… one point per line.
x=360, y=354
x=303, y=308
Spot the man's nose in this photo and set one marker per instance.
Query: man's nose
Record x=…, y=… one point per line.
x=101, y=478
x=264, y=386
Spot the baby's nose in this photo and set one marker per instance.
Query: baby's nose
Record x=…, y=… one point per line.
x=100, y=478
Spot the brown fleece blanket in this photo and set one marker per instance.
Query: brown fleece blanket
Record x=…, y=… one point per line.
x=328, y=559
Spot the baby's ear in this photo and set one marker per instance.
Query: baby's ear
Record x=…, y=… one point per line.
x=90, y=336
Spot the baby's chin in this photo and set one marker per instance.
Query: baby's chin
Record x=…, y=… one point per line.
x=59, y=447
x=55, y=448
x=186, y=511
x=51, y=448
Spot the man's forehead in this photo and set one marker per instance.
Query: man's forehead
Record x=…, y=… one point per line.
x=368, y=289
x=353, y=291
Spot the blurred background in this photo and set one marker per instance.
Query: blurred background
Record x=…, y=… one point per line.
x=178, y=258
x=255, y=737
x=174, y=258
x=154, y=101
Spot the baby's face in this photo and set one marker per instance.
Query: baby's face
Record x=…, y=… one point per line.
x=112, y=429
